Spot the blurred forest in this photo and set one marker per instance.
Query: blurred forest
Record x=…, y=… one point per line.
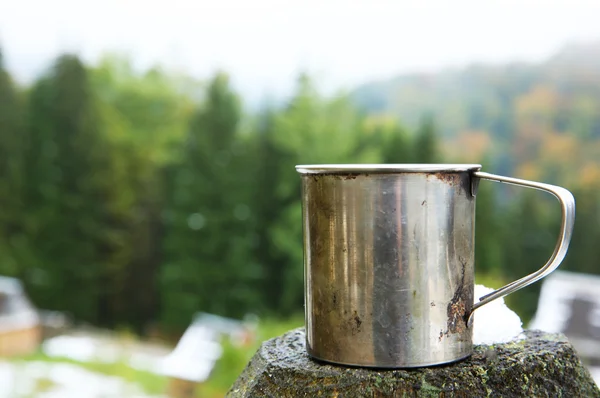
x=537, y=121
x=135, y=199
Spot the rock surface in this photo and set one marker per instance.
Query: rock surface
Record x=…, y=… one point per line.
x=541, y=365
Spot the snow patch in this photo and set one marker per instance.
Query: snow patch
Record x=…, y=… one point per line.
x=495, y=323
x=62, y=380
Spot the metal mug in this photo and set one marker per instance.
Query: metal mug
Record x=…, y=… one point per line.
x=389, y=261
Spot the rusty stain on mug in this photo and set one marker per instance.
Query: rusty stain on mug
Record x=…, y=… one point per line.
x=389, y=261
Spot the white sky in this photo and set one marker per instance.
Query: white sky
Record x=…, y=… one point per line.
x=263, y=44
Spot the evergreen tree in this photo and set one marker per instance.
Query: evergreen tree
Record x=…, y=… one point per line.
x=386, y=138
x=489, y=259
x=584, y=249
x=270, y=161
x=147, y=116
x=207, y=263
x=11, y=179
x=528, y=241
x=397, y=149
x=426, y=142
x=311, y=129
x=68, y=182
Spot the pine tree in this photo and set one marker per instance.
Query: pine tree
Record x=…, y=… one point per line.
x=146, y=115
x=206, y=253
x=426, y=149
x=268, y=205
x=489, y=259
x=311, y=129
x=384, y=136
x=584, y=249
x=68, y=182
x=397, y=148
x=11, y=179
x=528, y=242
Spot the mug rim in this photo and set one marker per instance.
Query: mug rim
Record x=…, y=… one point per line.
x=386, y=168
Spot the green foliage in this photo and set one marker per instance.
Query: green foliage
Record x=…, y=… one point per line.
x=68, y=218
x=489, y=228
x=207, y=262
x=586, y=233
x=266, y=205
x=135, y=199
x=12, y=140
x=148, y=114
x=234, y=359
x=426, y=150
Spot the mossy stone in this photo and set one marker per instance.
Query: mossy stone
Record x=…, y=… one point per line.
x=540, y=365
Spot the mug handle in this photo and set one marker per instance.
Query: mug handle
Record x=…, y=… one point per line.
x=567, y=203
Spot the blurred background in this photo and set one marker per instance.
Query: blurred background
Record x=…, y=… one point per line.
x=150, y=233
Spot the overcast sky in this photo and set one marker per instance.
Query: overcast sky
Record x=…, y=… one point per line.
x=263, y=44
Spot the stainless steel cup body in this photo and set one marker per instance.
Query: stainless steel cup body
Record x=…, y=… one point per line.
x=389, y=263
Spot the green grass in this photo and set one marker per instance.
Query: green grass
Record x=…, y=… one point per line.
x=234, y=359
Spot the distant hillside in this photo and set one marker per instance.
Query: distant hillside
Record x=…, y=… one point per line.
x=519, y=112
x=479, y=95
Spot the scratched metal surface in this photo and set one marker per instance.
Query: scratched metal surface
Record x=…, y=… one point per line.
x=388, y=267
